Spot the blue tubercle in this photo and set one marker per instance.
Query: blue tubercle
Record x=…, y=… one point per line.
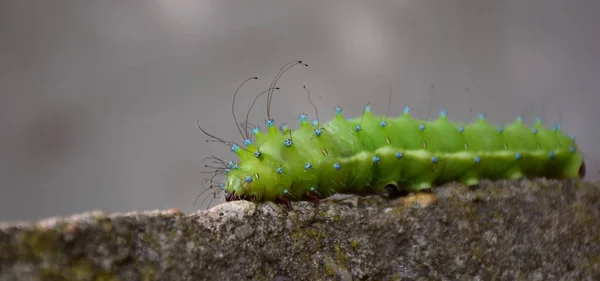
x=255, y=130
x=482, y=116
x=461, y=129
x=337, y=166
x=247, y=142
x=308, y=166
x=551, y=154
x=443, y=114
x=235, y=148
x=279, y=170
x=367, y=108
x=572, y=149
x=376, y=159
x=248, y=179
x=318, y=132
x=338, y=110
x=383, y=124
x=556, y=127
x=477, y=159
x=398, y=155
x=315, y=122
x=358, y=128
x=232, y=165
x=534, y=131
x=406, y=110
x=422, y=127
x=500, y=129
x=519, y=119
x=257, y=154
x=288, y=142
x=434, y=159
x=518, y=156
x=269, y=123
x=302, y=117
x=283, y=127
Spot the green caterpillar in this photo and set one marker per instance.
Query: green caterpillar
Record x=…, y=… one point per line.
x=369, y=154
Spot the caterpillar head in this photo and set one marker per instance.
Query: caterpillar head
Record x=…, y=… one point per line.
x=236, y=185
x=233, y=183
x=248, y=182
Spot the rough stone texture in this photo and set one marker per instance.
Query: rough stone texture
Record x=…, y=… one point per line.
x=521, y=230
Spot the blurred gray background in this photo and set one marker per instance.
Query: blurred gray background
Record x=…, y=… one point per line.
x=99, y=99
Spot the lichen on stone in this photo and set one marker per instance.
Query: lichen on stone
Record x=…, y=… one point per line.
x=506, y=230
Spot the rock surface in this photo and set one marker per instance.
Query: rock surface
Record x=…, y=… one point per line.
x=519, y=230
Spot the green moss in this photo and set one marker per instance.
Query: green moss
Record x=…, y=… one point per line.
x=354, y=244
x=498, y=218
x=262, y=276
x=478, y=251
x=309, y=234
x=337, y=218
x=99, y=217
x=106, y=276
x=82, y=270
x=398, y=209
x=329, y=271
x=40, y=242
x=341, y=258
x=52, y=274
x=148, y=273
x=171, y=235
x=315, y=234
x=582, y=214
x=151, y=240
x=332, y=266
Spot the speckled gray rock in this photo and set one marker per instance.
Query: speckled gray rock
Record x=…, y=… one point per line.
x=521, y=230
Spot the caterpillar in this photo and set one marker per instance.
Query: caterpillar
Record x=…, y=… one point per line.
x=372, y=154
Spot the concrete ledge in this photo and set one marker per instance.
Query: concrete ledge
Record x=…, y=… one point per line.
x=519, y=230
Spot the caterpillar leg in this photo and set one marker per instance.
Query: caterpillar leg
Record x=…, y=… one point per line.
x=313, y=196
x=394, y=191
x=231, y=197
x=285, y=201
x=582, y=170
